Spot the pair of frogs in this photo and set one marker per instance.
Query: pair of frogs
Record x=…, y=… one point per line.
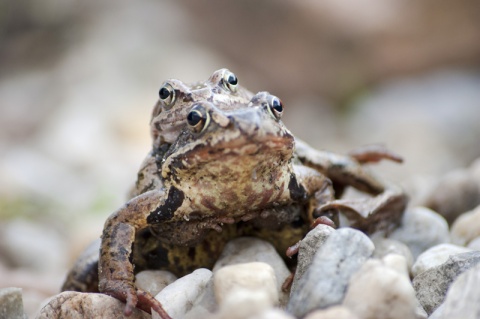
x=223, y=165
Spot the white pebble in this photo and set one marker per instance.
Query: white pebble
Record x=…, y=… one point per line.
x=241, y=303
x=249, y=249
x=255, y=277
x=154, y=281
x=379, y=292
x=179, y=297
x=474, y=244
x=466, y=227
x=398, y=263
x=335, y=312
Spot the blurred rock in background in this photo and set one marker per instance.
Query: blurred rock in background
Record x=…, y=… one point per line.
x=78, y=81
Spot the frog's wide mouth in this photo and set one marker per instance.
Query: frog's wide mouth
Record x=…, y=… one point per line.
x=246, y=153
x=273, y=145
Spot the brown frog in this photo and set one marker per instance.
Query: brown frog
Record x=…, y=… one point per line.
x=282, y=223
x=229, y=171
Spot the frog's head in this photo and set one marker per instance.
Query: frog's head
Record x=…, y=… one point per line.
x=250, y=141
x=177, y=98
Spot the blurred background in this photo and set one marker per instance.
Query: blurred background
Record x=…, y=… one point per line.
x=78, y=80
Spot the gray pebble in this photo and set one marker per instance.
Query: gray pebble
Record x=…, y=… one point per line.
x=432, y=285
x=308, y=247
x=421, y=229
x=11, y=304
x=463, y=297
x=456, y=193
x=435, y=256
x=325, y=282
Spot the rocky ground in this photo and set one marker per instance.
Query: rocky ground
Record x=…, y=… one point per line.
x=77, y=83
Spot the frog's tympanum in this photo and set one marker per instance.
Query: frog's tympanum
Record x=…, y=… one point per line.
x=223, y=165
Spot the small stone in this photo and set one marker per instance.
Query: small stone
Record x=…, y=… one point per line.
x=154, y=281
x=249, y=249
x=438, y=313
x=387, y=246
x=205, y=305
x=463, y=297
x=474, y=244
x=256, y=276
x=179, y=297
x=390, y=294
x=271, y=313
x=243, y=303
x=335, y=312
x=435, y=256
x=307, y=249
x=325, y=282
x=432, y=285
x=11, y=304
x=466, y=227
x=475, y=171
x=78, y=305
x=456, y=193
x=421, y=229
x=398, y=263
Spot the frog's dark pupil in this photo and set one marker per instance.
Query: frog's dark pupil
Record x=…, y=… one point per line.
x=277, y=105
x=194, y=117
x=232, y=79
x=164, y=93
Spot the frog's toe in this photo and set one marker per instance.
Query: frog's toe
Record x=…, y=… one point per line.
x=147, y=303
x=130, y=302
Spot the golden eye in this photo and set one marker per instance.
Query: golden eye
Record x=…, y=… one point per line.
x=230, y=81
x=167, y=95
x=198, y=118
x=275, y=107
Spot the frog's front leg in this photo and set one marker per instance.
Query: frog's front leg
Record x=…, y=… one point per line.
x=319, y=191
x=116, y=274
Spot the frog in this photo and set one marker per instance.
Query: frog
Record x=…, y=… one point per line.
x=246, y=156
x=223, y=92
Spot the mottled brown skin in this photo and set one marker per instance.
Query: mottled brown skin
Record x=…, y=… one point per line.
x=244, y=155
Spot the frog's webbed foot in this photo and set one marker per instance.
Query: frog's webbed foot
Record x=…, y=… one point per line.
x=382, y=212
x=374, y=153
x=135, y=298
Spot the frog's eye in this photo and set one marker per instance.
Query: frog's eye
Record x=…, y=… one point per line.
x=275, y=107
x=230, y=81
x=198, y=119
x=167, y=95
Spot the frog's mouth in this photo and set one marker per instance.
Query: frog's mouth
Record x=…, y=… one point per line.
x=245, y=151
